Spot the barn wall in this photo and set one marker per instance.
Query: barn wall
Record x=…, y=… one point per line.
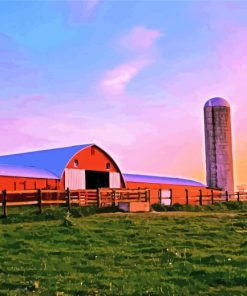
x=91, y=158
x=178, y=191
x=21, y=183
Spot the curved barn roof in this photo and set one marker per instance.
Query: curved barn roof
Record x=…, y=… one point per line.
x=41, y=163
x=160, y=180
x=25, y=171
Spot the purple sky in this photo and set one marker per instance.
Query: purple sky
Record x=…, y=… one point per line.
x=129, y=76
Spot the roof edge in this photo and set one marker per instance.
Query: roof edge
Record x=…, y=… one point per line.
x=197, y=183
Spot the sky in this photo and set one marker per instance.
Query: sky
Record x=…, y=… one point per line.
x=130, y=76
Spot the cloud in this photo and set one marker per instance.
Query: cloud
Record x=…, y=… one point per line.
x=90, y=5
x=140, y=38
x=79, y=11
x=114, y=81
x=15, y=139
x=25, y=101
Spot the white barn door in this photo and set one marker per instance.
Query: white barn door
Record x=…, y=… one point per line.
x=115, y=181
x=75, y=179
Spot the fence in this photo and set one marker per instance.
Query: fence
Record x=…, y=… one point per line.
x=102, y=197
x=200, y=199
x=105, y=197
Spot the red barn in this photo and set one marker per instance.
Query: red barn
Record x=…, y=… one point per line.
x=168, y=190
x=77, y=167
x=88, y=167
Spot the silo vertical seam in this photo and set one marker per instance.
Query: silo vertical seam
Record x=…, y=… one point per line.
x=214, y=146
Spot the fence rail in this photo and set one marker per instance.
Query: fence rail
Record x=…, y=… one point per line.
x=200, y=199
x=102, y=197
x=105, y=197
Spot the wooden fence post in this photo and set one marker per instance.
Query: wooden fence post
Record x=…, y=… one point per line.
x=160, y=195
x=69, y=200
x=171, y=197
x=200, y=197
x=39, y=198
x=238, y=195
x=227, y=196
x=4, y=192
x=148, y=199
x=98, y=198
x=187, y=196
x=212, y=197
x=113, y=197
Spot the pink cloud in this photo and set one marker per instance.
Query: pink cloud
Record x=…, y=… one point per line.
x=90, y=5
x=140, y=38
x=81, y=10
x=114, y=81
x=15, y=139
x=25, y=101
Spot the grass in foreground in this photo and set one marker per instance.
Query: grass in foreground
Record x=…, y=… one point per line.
x=123, y=254
x=216, y=207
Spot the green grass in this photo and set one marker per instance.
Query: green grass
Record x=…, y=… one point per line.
x=172, y=253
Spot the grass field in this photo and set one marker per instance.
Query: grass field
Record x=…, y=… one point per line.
x=172, y=253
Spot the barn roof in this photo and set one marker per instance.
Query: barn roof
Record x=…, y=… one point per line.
x=43, y=164
x=160, y=180
x=25, y=171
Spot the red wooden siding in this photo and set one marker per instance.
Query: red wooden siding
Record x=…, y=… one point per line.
x=178, y=191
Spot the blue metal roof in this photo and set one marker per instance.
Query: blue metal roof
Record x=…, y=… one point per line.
x=217, y=102
x=51, y=161
x=25, y=171
x=160, y=180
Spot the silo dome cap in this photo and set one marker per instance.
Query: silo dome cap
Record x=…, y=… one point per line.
x=217, y=102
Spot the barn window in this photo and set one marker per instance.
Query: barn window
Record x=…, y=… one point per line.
x=76, y=163
x=108, y=165
x=92, y=151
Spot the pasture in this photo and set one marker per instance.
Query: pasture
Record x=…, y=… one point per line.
x=171, y=253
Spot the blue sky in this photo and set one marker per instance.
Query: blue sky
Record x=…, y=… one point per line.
x=131, y=76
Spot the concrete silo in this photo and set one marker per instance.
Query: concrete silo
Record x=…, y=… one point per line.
x=218, y=142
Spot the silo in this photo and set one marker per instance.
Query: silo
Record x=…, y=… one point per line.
x=218, y=142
